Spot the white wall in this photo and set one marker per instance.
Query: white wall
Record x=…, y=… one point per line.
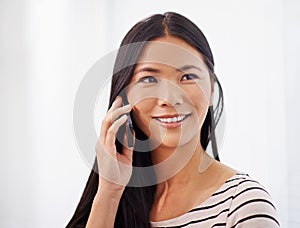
x=291, y=46
x=46, y=47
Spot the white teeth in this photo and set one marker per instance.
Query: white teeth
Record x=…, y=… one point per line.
x=172, y=120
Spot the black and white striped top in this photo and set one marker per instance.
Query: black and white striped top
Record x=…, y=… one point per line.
x=239, y=202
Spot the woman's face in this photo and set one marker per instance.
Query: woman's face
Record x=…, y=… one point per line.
x=170, y=91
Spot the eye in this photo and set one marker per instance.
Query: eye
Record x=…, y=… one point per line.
x=148, y=79
x=187, y=77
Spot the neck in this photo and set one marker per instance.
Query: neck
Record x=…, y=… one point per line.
x=179, y=166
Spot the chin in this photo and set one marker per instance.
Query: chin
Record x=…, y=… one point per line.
x=175, y=140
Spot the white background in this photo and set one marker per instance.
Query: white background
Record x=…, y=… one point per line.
x=46, y=47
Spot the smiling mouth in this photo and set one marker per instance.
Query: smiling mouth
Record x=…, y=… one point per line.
x=175, y=119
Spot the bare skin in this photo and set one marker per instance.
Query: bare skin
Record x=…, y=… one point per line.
x=118, y=169
x=187, y=188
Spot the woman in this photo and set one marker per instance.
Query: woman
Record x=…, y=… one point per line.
x=164, y=77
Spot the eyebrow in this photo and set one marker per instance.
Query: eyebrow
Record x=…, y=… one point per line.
x=187, y=67
x=153, y=70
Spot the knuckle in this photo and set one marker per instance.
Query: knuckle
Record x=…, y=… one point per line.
x=107, y=119
x=111, y=131
x=104, y=120
x=112, y=116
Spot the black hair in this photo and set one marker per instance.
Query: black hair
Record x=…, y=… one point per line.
x=136, y=202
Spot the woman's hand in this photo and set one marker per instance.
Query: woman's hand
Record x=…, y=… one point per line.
x=114, y=168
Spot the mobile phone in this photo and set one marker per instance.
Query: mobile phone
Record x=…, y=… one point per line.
x=129, y=131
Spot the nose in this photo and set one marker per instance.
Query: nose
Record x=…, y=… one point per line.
x=169, y=94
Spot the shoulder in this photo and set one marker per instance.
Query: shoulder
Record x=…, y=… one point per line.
x=251, y=204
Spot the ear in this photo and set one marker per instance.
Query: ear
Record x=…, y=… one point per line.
x=211, y=101
x=212, y=87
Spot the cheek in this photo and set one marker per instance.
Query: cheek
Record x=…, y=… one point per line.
x=200, y=103
x=142, y=112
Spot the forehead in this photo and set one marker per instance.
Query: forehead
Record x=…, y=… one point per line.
x=170, y=51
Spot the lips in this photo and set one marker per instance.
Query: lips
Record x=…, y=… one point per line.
x=177, y=118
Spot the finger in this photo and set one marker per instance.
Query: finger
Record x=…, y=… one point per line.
x=111, y=117
x=118, y=112
x=112, y=130
x=117, y=102
x=106, y=122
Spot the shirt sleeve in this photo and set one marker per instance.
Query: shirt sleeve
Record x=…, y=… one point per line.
x=251, y=207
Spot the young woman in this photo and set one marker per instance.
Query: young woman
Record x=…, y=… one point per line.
x=164, y=77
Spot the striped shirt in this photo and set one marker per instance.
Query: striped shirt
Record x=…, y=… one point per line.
x=239, y=202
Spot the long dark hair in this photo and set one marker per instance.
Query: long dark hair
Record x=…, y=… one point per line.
x=136, y=202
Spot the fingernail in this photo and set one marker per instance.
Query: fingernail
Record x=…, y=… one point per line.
x=118, y=98
x=127, y=106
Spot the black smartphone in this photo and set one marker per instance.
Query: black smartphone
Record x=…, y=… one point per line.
x=129, y=131
x=129, y=126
